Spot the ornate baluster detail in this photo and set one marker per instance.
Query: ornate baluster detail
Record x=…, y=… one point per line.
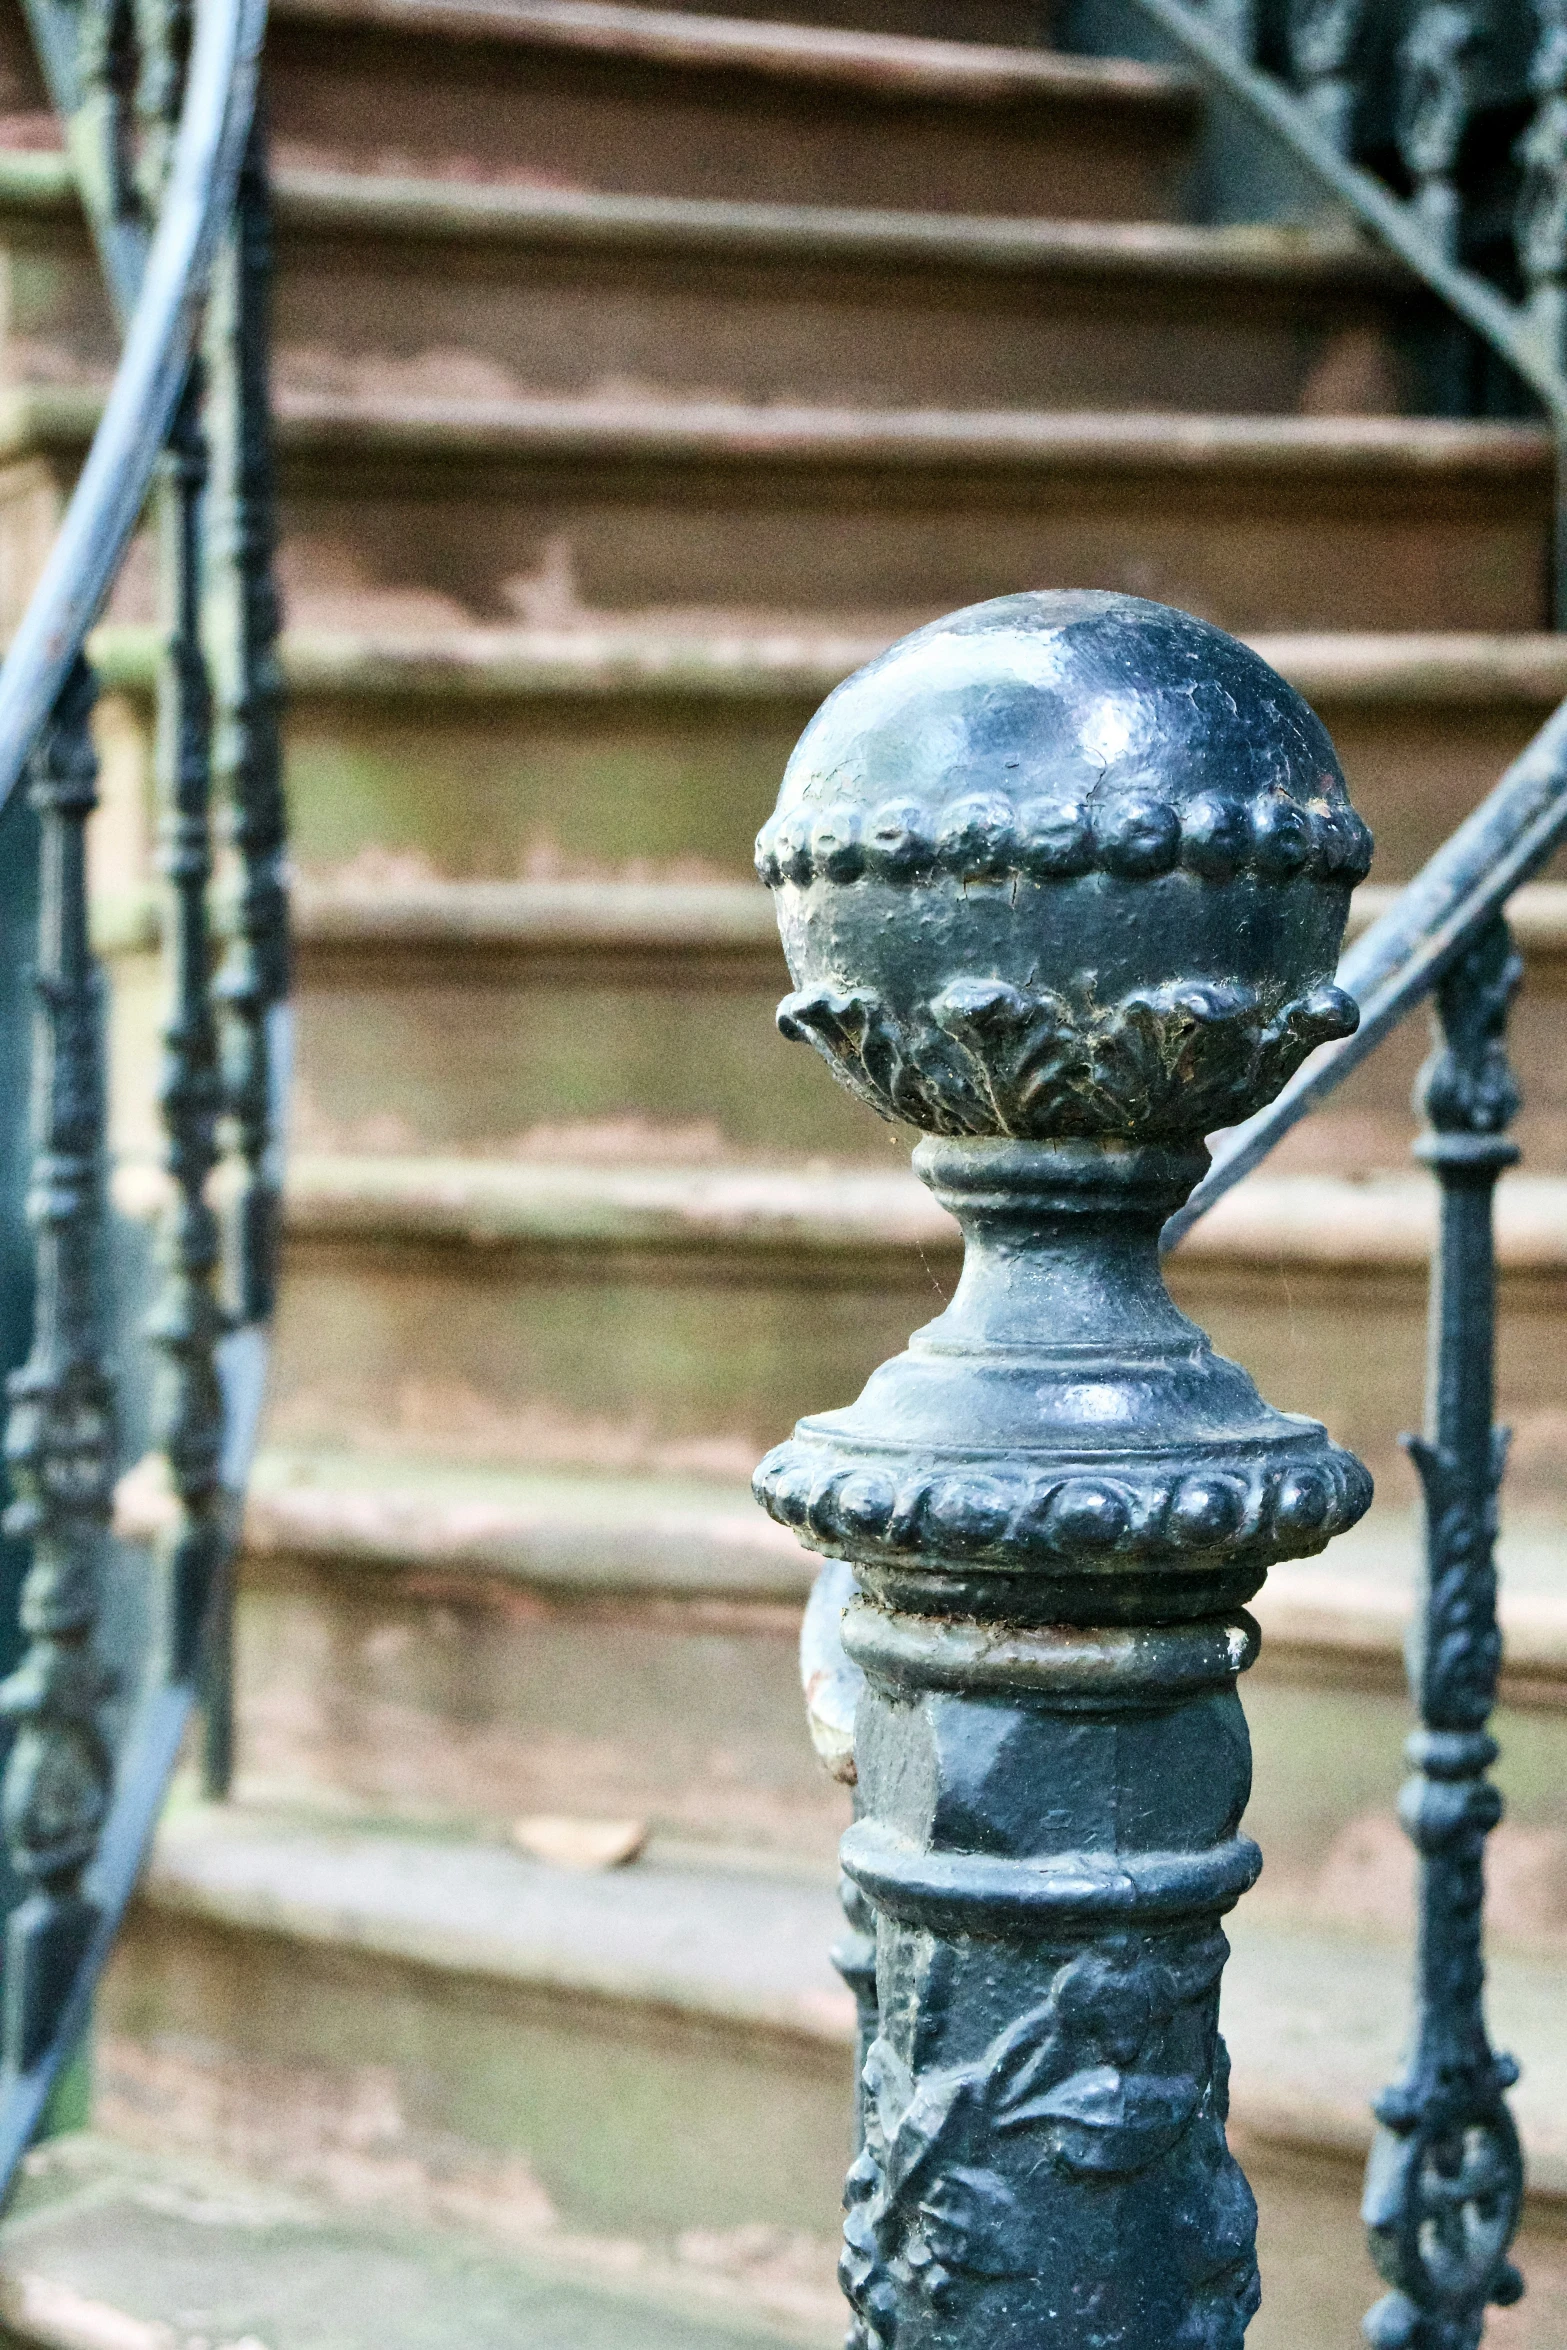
x=1542, y=195
x=255, y=976
x=60, y=1438
x=1324, y=37
x=1061, y=881
x=106, y=64
x=1436, y=79
x=163, y=45
x=189, y=1319
x=1445, y=2184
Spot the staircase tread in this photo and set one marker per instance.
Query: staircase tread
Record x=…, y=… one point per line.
x=1314, y=2020
x=1295, y=257
x=1301, y=1220
x=1366, y=448
x=1364, y=669
x=109, y=2249
x=599, y=917
x=893, y=67
x=661, y=1539
x=709, y=430
x=316, y=198
x=578, y=1533
x=729, y=1945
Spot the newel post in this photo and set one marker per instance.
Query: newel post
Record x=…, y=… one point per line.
x=1061, y=881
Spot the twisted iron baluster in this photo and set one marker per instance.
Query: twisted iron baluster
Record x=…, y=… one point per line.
x=1324, y=37
x=60, y=1437
x=1542, y=195
x=189, y=1319
x=1436, y=90
x=255, y=975
x=1445, y=2182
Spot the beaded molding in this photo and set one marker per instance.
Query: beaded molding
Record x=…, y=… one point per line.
x=1134, y=835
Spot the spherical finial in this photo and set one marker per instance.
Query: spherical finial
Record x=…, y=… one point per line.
x=1067, y=864
x=1062, y=880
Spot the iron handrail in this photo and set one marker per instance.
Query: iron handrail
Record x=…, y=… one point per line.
x=1508, y=327
x=1397, y=963
x=112, y=490
x=194, y=216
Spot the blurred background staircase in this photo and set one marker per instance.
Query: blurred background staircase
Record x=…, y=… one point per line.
x=638, y=375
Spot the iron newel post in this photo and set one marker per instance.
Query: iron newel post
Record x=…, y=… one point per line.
x=1061, y=881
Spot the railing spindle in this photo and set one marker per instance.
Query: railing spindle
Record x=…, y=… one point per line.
x=1445, y=2183
x=255, y=975
x=1324, y=37
x=1542, y=195
x=60, y=1436
x=189, y=1319
x=1434, y=100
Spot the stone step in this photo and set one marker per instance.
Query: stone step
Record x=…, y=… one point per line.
x=489, y=754
x=661, y=2055
x=402, y=510
x=457, y=1650
x=1012, y=23
x=629, y=100
x=505, y=292
x=638, y=101
x=630, y=1016
x=106, y=2247
x=675, y=1320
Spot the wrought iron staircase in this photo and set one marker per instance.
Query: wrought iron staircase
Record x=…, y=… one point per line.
x=705, y=557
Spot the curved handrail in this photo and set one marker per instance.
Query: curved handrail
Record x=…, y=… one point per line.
x=199, y=199
x=112, y=490
x=1401, y=958
x=1506, y=326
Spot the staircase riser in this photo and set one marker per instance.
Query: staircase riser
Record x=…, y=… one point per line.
x=405, y=101
x=600, y=1052
x=872, y=547
x=471, y=317
x=471, y=1701
x=266, y=2055
x=481, y=787
x=698, y=1361
x=407, y=540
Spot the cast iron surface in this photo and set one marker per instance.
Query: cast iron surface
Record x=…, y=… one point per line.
x=159, y=179
x=60, y=1447
x=1445, y=2183
x=1056, y=878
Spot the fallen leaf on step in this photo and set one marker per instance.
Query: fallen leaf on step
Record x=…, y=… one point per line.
x=579, y=1844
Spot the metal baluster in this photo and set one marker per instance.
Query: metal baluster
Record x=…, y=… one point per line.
x=1235, y=21
x=255, y=975
x=1056, y=1504
x=189, y=1319
x=163, y=45
x=1445, y=2184
x=106, y=64
x=60, y=1436
x=1435, y=98
x=1542, y=195
x=1324, y=37
x=253, y=983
